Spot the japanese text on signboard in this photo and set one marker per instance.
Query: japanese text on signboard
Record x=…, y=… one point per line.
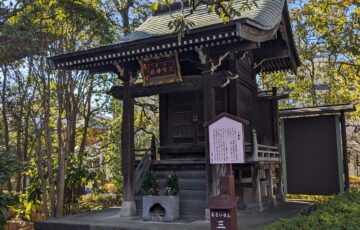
x=226, y=141
x=161, y=70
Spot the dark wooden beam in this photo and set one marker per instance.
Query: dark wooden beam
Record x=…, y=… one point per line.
x=317, y=110
x=232, y=48
x=274, y=53
x=277, y=97
x=345, y=151
x=209, y=113
x=275, y=118
x=127, y=143
x=190, y=83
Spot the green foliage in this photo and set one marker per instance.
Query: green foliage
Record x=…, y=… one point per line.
x=355, y=183
x=92, y=202
x=155, y=6
x=112, y=152
x=43, y=28
x=325, y=36
x=6, y=199
x=150, y=185
x=226, y=10
x=316, y=198
x=180, y=25
x=79, y=173
x=3, y=209
x=172, y=185
x=340, y=212
x=9, y=165
x=29, y=202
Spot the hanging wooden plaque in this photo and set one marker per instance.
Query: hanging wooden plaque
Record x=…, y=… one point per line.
x=160, y=70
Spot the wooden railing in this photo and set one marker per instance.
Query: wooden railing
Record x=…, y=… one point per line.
x=139, y=153
x=263, y=152
x=141, y=170
x=144, y=159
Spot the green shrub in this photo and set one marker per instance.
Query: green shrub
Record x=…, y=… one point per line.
x=172, y=185
x=150, y=185
x=6, y=199
x=355, y=183
x=9, y=166
x=340, y=212
x=317, y=198
x=92, y=202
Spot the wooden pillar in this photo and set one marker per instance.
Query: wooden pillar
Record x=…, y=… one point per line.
x=345, y=151
x=279, y=194
x=209, y=113
x=270, y=185
x=240, y=193
x=153, y=148
x=127, y=148
x=275, y=117
x=233, y=108
x=234, y=97
x=256, y=189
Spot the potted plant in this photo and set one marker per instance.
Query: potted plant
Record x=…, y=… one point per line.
x=150, y=185
x=172, y=185
x=164, y=208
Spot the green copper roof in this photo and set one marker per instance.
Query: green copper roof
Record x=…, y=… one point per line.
x=265, y=17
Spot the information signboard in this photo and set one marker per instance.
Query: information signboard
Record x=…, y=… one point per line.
x=226, y=141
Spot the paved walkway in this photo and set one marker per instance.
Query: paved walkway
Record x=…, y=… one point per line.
x=109, y=219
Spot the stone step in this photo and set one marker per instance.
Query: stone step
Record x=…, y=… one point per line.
x=191, y=214
x=197, y=205
x=186, y=184
x=195, y=194
x=181, y=174
x=192, y=186
x=178, y=166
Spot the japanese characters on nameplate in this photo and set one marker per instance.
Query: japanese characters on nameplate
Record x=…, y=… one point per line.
x=226, y=141
x=160, y=70
x=221, y=218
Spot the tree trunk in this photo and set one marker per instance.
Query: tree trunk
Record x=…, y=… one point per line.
x=48, y=141
x=5, y=118
x=61, y=175
x=87, y=116
x=26, y=142
x=41, y=173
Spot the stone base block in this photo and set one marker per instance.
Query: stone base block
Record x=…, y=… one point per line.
x=161, y=208
x=255, y=207
x=207, y=214
x=280, y=197
x=128, y=208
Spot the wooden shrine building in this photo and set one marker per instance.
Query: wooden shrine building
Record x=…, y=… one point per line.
x=211, y=70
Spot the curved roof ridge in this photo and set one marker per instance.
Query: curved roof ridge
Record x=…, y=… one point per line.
x=264, y=17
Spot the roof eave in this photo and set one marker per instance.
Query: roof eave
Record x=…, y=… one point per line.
x=124, y=45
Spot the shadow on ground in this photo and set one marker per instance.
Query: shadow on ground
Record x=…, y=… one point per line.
x=109, y=219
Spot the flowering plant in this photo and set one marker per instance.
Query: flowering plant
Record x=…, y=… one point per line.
x=172, y=185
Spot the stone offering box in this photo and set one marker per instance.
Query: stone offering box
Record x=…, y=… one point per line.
x=161, y=208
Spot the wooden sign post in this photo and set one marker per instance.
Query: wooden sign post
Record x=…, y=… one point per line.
x=226, y=146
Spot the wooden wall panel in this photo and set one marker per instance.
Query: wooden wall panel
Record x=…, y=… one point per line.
x=311, y=155
x=264, y=122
